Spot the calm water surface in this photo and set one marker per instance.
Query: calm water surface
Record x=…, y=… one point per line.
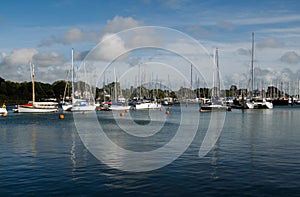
x=257, y=154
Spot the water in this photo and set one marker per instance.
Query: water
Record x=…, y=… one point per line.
x=257, y=154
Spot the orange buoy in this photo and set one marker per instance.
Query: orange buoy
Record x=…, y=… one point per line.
x=57, y=110
x=126, y=110
x=84, y=112
x=160, y=109
x=4, y=114
x=61, y=116
x=122, y=114
x=167, y=112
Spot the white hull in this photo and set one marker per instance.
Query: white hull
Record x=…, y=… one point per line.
x=250, y=105
x=260, y=105
x=66, y=107
x=37, y=107
x=22, y=109
x=83, y=108
x=3, y=111
x=147, y=106
x=214, y=108
x=118, y=108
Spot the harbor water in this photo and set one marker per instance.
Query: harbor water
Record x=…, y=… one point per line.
x=257, y=154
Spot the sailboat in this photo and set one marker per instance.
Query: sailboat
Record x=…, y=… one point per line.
x=119, y=102
x=216, y=103
x=87, y=103
x=33, y=106
x=66, y=102
x=256, y=102
x=145, y=103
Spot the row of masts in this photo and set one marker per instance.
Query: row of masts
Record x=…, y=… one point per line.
x=216, y=77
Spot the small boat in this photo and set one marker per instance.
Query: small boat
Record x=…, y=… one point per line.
x=216, y=103
x=33, y=106
x=66, y=106
x=66, y=103
x=144, y=103
x=119, y=103
x=82, y=105
x=256, y=102
x=214, y=108
x=147, y=104
x=85, y=103
x=37, y=107
x=118, y=106
x=259, y=103
x=3, y=109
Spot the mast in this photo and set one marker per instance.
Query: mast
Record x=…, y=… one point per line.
x=66, y=86
x=217, y=76
x=32, y=81
x=72, y=74
x=252, y=59
x=191, y=76
x=190, y=92
x=115, y=86
x=140, y=81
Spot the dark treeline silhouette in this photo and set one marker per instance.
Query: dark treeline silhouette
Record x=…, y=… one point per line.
x=19, y=93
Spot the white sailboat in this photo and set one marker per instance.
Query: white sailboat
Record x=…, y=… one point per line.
x=216, y=102
x=66, y=103
x=256, y=102
x=87, y=103
x=119, y=103
x=33, y=106
x=145, y=103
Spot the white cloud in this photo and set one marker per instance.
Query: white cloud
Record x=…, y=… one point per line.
x=269, y=43
x=112, y=45
x=73, y=35
x=245, y=52
x=197, y=30
x=110, y=48
x=119, y=23
x=263, y=77
x=18, y=57
x=77, y=35
x=48, y=59
x=267, y=20
x=15, y=65
x=290, y=57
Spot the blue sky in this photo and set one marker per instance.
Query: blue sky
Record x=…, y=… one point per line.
x=45, y=31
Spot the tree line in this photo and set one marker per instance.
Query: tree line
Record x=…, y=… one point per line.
x=13, y=93
x=19, y=93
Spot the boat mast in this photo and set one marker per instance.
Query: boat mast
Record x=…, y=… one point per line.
x=66, y=86
x=217, y=77
x=140, y=81
x=252, y=59
x=191, y=76
x=72, y=74
x=32, y=81
x=115, y=86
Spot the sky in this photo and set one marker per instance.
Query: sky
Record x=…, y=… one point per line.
x=44, y=32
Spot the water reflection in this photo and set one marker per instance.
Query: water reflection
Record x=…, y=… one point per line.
x=258, y=152
x=73, y=152
x=33, y=141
